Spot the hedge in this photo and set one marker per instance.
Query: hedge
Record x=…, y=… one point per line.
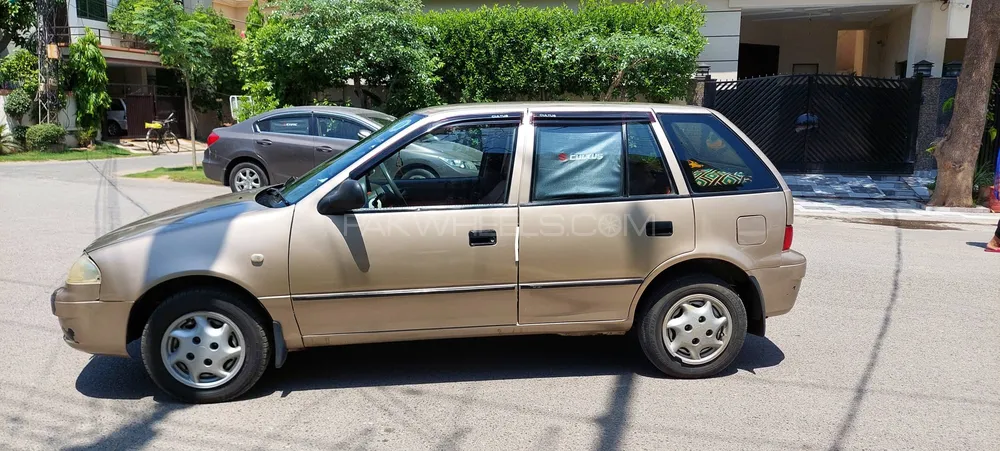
x=603, y=50
x=43, y=136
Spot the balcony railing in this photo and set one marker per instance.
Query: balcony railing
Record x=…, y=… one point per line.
x=67, y=35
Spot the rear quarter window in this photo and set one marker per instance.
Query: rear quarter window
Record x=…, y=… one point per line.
x=713, y=158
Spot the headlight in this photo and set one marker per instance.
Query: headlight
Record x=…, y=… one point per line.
x=460, y=164
x=84, y=271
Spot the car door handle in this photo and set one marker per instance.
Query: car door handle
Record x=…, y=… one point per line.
x=264, y=142
x=326, y=149
x=482, y=238
x=659, y=228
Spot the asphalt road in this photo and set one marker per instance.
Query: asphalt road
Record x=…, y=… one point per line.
x=894, y=344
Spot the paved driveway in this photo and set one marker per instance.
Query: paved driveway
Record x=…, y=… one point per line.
x=894, y=344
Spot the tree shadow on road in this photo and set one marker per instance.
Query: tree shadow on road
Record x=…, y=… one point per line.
x=425, y=362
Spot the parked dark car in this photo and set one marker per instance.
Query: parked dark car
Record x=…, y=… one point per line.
x=271, y=147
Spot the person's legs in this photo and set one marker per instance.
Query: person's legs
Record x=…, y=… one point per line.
x=994, y=243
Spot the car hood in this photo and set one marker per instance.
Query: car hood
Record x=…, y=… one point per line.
x=221, y=208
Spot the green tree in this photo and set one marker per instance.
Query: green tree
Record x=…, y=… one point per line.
x=88, y=77
x=17, y=18
x=956, y=154
x=624, y=50
x=195, y=44
x=308, y=46
x=20, y=67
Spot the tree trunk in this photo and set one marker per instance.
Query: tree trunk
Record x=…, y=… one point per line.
x=190, y=123
x=956, y=154
x=360, y=92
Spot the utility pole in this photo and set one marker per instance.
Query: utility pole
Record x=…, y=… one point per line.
x=48, y=62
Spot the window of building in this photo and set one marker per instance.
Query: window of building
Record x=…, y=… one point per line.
x=92, y=9
x=713, y=158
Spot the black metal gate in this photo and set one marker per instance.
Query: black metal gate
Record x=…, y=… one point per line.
x=825, y=123
x=146, y=103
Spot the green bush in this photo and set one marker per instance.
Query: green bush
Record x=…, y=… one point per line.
x=85, y=136
x=20, y=67
x=8, y=144
x=19, y=132
x=604, y=50
x=43, y=136
x=17, y=104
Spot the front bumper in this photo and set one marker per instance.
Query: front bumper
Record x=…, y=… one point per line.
x=780, y=286
x=89, y=324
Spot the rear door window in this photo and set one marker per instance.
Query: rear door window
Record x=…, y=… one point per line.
x=289, y=125
x=712, y=157
x=597, y=161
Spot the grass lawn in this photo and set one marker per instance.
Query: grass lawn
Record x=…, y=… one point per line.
x=181, y=174
x=99, y=152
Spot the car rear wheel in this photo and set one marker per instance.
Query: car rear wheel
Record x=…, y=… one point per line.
x=246, y=176
x=114, y=129
x=204, y=345
x=693, y=328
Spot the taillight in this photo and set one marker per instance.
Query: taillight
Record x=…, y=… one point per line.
x=788, y=239
x=212, y=138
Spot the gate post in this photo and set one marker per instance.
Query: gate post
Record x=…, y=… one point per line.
x=709, y=100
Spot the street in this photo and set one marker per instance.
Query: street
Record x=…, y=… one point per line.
x=893, y=344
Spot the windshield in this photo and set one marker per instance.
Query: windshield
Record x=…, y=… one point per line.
x=300, y=188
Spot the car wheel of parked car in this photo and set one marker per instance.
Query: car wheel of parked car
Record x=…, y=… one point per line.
x=418, y=173
x=247, y=176
x=205, y=345
x=114, y=129
x=694, y=327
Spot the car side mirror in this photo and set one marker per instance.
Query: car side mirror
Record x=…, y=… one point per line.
x=347, y=196
x=362, y=134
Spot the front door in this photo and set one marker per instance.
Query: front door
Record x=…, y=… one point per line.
x=428, y=253
x=334, y=134
x=601, y=213
x=286, y=145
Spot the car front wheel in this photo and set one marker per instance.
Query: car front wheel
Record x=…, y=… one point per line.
x=695, y=327
x=204, y=345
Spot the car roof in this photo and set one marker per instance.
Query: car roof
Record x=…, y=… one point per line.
x=328, y=109
x=473, y=108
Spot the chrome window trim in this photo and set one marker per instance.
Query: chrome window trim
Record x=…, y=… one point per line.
x=402, y=292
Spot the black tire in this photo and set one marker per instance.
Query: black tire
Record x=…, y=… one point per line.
x=246, y=165
x=650, y=326
x=419, y=173
x=257, y=344
x=114, y=129
x=171, y=142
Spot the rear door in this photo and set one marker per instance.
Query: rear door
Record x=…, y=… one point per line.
x=737, y=198
x=599, y=211
x=286, y=144
x=334, y=134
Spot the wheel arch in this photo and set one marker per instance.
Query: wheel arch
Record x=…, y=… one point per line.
x=156, y=294
x=244, y=159
x=733, y=274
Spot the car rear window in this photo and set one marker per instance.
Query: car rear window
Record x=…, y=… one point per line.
x=713, y=158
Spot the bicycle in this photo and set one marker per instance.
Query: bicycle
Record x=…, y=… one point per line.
x=159, y=135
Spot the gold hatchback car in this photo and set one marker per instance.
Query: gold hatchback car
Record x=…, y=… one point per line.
x=554, y=218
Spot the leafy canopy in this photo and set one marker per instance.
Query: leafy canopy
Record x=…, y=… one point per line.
x=308, y=46
x=17, y=19
x=20, y=67
x=199, y=44
x=88, y=77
